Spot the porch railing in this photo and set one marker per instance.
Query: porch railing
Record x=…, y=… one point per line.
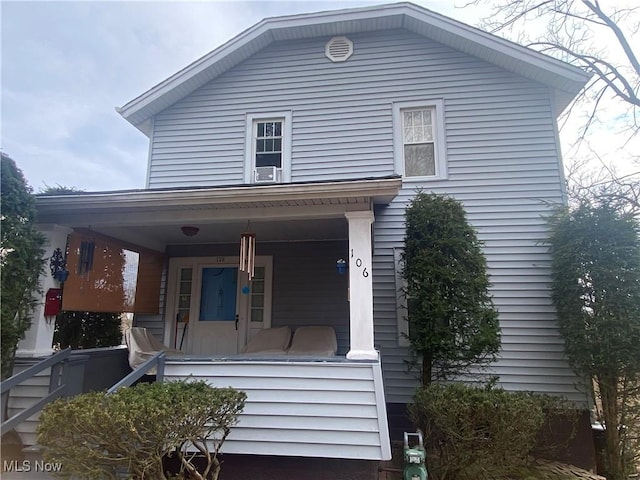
x=156, y=361
x=57, y=387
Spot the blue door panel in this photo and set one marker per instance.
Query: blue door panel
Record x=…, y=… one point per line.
x=218, y=294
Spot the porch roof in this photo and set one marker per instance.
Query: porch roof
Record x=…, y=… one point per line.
x=151, y=217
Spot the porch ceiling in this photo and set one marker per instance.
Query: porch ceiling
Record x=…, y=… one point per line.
x=159, y=236
x=152, y=218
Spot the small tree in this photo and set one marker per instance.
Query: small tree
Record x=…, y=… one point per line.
x=596, y=291
x=452, y=321
x=21, y=259
x=97, y=435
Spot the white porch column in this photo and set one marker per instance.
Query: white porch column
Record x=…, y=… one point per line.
x=360, y=286
x=39, y=338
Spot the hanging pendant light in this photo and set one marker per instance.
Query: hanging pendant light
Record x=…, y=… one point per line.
x=248, y=253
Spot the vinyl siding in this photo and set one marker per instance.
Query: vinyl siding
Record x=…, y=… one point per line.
x=502, y=161
x=307, y=289
x=343, y=108
x=309, y=409
x=519, y=267
x=513, y=231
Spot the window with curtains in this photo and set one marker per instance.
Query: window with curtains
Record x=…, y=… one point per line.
x=419, y=140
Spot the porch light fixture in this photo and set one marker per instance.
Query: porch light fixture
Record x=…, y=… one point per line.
x=248, y=253
x=341, y=266
x=189, y=231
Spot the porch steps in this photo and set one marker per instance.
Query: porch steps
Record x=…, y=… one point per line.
x=25, y=395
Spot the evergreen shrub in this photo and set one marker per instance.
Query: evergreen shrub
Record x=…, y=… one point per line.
x=480, y=432
x=97, y=435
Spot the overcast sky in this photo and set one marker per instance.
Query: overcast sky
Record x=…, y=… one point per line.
x=67, y=65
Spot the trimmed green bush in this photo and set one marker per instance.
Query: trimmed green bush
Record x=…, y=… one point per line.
x=479, y=432
x=96, y=435
x=453, y=324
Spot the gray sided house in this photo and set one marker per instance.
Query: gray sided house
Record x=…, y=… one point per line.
x=313, y=132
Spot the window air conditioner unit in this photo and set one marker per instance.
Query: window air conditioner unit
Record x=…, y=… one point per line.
x=266, y=174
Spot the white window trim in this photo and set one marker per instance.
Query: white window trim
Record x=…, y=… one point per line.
x=249, y=147
x=438, y=138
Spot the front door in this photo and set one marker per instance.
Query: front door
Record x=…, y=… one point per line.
x=216, y=319
x=213, y=307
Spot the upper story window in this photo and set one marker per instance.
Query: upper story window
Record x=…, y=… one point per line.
x=268, y=148
x=269, y=143
x=419, y=141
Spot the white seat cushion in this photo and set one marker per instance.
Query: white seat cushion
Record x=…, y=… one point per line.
x=316, y=341
x=269, y=340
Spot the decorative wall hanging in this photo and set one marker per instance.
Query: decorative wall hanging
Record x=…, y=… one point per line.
x=248, y=253
x=85, y=260
x=57, y=265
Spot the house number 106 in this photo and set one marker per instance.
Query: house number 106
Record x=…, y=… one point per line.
x=359, y=265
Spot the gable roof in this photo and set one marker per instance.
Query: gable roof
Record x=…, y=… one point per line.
x=564, y=79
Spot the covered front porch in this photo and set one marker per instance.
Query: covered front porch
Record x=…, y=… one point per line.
x=192, y=237
x=308, y=406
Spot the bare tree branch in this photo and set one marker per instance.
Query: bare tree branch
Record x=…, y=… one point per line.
x=594, y=64
x=622, y=39
x=571, y=26
x=600, y=38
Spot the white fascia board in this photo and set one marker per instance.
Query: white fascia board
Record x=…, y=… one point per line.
x=552, y=71
x=526, y=62
x=381, y=190
x=129, y=110
x=264, y=27
x=496, y=43
x=346, y=14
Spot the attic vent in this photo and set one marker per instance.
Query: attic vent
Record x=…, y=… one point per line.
x=338, y=49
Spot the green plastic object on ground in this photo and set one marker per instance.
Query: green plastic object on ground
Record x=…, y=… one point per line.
x=414, y=458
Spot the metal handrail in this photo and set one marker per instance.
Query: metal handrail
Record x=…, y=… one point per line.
x=57, y=387
x=156, y=361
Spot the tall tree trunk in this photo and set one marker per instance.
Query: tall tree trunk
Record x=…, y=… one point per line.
x=427, y=368
x=614, y=463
